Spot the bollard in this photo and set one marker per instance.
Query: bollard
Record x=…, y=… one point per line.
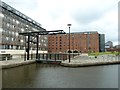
x=55, y=57
x=46, y=56
x=31, y=56
x=103, y=57
x=6, y=59
x=63, y=57
x=95, y=56
x=58, y=56
x=43, y=56
x=50, y=56
x=39, y=56
x=90, y=58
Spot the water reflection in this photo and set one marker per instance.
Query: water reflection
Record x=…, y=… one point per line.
x=55, y=76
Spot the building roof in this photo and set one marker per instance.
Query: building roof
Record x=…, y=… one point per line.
x=16, y=12
x=86, y=32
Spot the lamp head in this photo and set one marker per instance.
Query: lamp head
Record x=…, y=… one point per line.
x=69, y=24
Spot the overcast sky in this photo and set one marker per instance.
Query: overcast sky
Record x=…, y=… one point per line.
x=84, y=15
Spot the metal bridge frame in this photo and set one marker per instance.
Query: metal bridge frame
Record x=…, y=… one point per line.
x=36, y=34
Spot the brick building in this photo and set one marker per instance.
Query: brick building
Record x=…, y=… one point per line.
x=81, y=41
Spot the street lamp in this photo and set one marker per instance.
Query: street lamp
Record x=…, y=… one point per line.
x=69, y=40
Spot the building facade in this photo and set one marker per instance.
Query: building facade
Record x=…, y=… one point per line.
x=83, y=42
x=108, y=44
x=102, y=42
x=13, y=22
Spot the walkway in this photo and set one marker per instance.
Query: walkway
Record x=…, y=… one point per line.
x=85, y=60
x=81, y=60
x=14, y=63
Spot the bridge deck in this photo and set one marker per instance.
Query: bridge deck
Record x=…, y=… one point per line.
x=49, y=61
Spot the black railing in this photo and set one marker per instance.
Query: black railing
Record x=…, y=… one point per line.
x=41, y=56
x=55, y=56
x=4, y=57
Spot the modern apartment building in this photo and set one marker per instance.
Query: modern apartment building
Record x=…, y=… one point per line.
x=13, y=22
x=83, y=42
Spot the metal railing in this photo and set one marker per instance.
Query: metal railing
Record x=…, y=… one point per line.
x=55, y=56
x=5, y=57
x=41, y=56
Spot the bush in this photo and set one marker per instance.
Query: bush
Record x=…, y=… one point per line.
x=117, y=53
x=69, y=51
x=75, y=51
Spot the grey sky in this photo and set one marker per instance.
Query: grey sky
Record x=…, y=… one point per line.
x=84, y=15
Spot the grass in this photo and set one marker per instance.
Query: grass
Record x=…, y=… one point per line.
x=104, y=53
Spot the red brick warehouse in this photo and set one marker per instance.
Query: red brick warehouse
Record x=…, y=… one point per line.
x=80, y=41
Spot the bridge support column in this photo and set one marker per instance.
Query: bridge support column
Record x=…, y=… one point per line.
x=37, y=44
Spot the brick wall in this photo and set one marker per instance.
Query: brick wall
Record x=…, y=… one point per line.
x=81, y=42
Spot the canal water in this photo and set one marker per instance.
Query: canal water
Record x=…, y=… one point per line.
x=56, y=76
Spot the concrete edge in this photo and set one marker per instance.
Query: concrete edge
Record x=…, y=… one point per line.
x=17, y=64
x=89, y=64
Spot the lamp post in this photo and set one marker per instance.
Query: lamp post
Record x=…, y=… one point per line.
x=25, y=50
x=69, y=40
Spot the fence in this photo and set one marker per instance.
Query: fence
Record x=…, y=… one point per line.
x=41, y=56
x=5, y=57
x=55, y=56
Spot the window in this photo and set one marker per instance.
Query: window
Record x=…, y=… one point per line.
x=8, y=24
x=7, y=38
x=1, y=15
x=13, y=20
x=12, y=33
x=17, y=22
x=13, y=26
x=42, y=40
x=17, y=12
x=21, y=40
x=22, y=30
x=9, y=8
x=16, y=34
x=12, y=39
x=1, y=30
x=45, y=44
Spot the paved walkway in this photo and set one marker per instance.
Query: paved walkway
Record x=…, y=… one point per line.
x=81, y=60
x=85, y=60
x=14, y=63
